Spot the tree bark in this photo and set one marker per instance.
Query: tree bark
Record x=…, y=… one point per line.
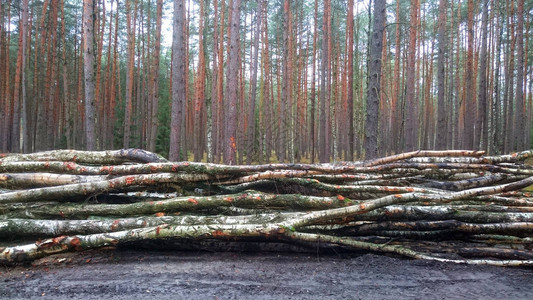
x=519, y=131
x=88, y=38
x=374, y=78
x=179, y=96
x=250, y=149
x=469, y=119
x=411, y=122
x=230, y=151
x=441, y=69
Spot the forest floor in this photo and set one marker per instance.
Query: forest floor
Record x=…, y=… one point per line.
x=140, y=274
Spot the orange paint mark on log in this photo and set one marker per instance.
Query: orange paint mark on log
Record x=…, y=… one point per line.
x=186, y=163
x=157, y=230
x=219, y=233
x=398, y=196
x=228, y=199
x=106, y=169
x=154, y=168
x=160, y=214
x=47, y=164
x=83, y=170
x=115, y=224
x=61, y=214
x=70, y=165
x=340, y=197
x=130, y=180
x=362, y=206
x=174, y=167
x=193, y=201
x=75, y=242
x=410, y=189
x=514, y=155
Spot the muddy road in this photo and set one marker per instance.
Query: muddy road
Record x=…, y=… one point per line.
x=142, y=274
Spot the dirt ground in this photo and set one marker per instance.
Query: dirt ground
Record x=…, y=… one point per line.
x=142, y=274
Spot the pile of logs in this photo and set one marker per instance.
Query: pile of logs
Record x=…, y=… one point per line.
x=449, y=206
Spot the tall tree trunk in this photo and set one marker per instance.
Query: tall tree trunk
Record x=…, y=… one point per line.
x=441, y=63
x=411, y=122
x=15, y=119
x=230, y=151
x=469, y=116
x=212, y=134
x=312, y=122
x=199, y=89
x=220, y=88
x=178, y=82
x=508, y=130
x=131, y=12
x=88, y=37
x=520, y=115
x=268, y=95
x=250, y=149
x=481, y=134
x=155, y=79
x=374, y=78
x=349, y=86
x=322, y=130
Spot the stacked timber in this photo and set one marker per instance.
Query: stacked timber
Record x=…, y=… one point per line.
x=449, y=206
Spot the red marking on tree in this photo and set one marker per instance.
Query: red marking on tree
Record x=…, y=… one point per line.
x=47, y=164
x=228, y=199
x=193, y=201
x=157, y=230
x=410, y=189
x=340, y=197
x=233, y=144
x=160, y=214
x=398, y=196
x=174, y=167
x=61, y=214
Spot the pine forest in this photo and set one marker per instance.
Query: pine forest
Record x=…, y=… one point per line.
x=261, y=81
